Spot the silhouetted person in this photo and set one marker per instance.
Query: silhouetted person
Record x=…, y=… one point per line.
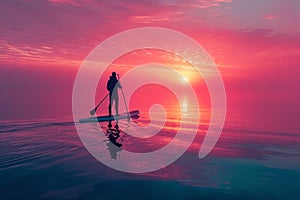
x=112, y=86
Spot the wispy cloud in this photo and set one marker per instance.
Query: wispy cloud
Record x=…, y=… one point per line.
x=71, y=28
x=158, y=18
x=208, y=4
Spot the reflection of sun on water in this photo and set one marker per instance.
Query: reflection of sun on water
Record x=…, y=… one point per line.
x=184, y=107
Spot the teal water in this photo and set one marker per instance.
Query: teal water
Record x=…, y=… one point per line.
x=46, y=160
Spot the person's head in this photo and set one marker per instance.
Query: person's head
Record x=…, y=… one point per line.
x=114, y=74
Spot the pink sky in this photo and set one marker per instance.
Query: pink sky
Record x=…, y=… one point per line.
x=254, y=43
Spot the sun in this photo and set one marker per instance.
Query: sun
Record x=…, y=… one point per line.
x=185, y=79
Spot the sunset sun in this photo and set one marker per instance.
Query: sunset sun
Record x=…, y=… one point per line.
x=185, y=79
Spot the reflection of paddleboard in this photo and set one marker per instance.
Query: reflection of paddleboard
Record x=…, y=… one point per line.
x=132, y=114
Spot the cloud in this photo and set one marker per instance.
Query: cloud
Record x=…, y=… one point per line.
x=70, y=2
x=158, y=18
x=71, y=28
x=196, y=3
x=270, y=17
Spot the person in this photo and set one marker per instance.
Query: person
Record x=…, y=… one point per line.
x=112, y=86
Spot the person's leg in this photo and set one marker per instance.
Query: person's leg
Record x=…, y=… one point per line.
x=117, y=105
x=109, y=105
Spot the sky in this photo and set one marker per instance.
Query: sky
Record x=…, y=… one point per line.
x=254, y=43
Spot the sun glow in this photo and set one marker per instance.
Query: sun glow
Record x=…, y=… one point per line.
x=185, y=79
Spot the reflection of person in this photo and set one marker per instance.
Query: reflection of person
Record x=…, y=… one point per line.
x=113, y=145
x=112, y=86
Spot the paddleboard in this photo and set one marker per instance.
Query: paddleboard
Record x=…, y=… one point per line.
x=132, y=114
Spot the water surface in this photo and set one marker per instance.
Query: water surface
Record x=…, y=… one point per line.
x=45, y=159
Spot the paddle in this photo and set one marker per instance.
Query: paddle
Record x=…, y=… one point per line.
x=124, y=98
x=93, y=111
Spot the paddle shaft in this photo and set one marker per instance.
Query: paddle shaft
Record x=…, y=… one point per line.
x=95, y=109
x=124, y=98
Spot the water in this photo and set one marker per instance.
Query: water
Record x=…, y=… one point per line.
x=46, y=160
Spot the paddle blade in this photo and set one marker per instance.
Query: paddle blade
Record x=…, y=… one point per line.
x=92, y=112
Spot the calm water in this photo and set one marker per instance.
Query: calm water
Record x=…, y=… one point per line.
x=46, y=160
